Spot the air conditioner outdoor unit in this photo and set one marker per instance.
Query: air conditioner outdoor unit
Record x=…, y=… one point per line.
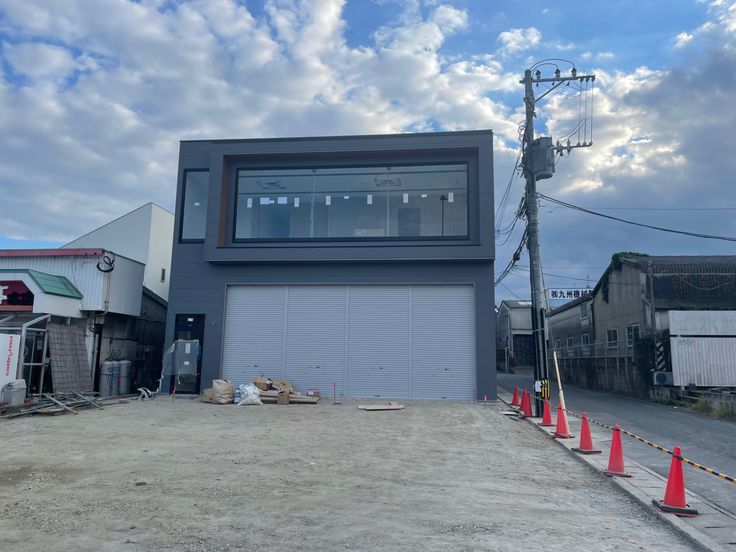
x=662, y=378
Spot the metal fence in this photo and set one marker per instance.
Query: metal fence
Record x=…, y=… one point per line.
x=597, y=366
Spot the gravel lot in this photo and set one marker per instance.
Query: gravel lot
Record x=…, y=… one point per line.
x=188, y=476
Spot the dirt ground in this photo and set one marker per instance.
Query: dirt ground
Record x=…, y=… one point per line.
x=188, y=476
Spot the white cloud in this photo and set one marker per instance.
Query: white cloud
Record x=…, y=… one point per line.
x=450, y=19
x=39, y=60
x=600, y=56
x=150, y=74
x=518, y=40
x=683, y=39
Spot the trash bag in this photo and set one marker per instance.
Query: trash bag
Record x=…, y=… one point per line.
x=223, y=390
x=249, y=394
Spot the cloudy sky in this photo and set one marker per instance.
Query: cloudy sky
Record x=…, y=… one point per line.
x=96, y=94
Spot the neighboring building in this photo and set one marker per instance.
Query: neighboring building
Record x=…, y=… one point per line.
x=364, y=261
x=514, y=333
x=143, y=235
x=93, y=289
x=629, y=312
x=572, y=331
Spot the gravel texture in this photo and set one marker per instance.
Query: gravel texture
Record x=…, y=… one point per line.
x=188, y=476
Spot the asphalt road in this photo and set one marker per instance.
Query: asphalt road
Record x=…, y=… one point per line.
x=706, y=440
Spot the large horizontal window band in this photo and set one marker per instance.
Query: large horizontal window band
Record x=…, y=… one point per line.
x=354, y=203
x=195, y=190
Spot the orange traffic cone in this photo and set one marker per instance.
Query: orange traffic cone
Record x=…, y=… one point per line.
x=526, y=405
x=586, y=441
x=616, y=457
x=515, y=400
x=546, y=415
x=674, y=494
x=562, y=431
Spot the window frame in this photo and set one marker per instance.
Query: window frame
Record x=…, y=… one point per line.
x=394, y=240
x=630, y=342
x=570, y=345
x=587, y=311
x=182, y=239
x=611, y=344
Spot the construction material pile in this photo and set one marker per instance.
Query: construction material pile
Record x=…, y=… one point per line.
x=263, y=390
x=51, y=404
x=282, y=392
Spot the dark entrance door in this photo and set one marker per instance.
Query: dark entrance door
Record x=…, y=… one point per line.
x=189, y=327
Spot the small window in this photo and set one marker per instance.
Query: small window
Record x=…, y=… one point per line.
x=612, y=338
x=632, y=334
x=194, y=205
x=570, y=345
x=583, y=311
x=557, y=344
x=163, y=275
x=585, y=339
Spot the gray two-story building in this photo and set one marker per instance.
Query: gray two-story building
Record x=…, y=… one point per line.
x=360, y=262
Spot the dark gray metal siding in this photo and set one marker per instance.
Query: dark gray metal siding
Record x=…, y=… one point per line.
x=200, y=272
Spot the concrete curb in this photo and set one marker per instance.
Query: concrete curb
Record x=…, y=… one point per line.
x=626, y=485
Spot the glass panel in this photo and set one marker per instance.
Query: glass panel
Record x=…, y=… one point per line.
x=353, y=202
x=194, y=213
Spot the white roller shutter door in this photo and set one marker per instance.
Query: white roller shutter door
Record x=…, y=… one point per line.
x=378, y=341
x=443, y=342
x=315, y=337
x=254, y=333
x=371, y=340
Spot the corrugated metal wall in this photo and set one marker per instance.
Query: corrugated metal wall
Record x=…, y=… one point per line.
x=704, y=361
x=81, y=271
x=126, y=287
x=703, y=348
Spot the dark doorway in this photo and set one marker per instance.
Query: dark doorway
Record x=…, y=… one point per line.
x=189, y=327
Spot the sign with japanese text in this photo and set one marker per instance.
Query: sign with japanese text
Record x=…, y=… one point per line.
x=564, y=293
x=9, y=345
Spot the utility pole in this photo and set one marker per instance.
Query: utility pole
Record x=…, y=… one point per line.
x=541, y=369
x=542, y=163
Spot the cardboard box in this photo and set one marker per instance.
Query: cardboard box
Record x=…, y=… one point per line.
x=264, y=384
x=282, y=397
x=283, y=385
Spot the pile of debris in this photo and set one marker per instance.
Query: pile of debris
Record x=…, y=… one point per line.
x=262, y=390
x=282, y=392
x=51, y=404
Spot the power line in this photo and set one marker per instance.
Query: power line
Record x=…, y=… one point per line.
x=632, y=223
x=571, y=267
x=514, y=259
x=509, y=290
x=525, y=269
x=662, y=208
